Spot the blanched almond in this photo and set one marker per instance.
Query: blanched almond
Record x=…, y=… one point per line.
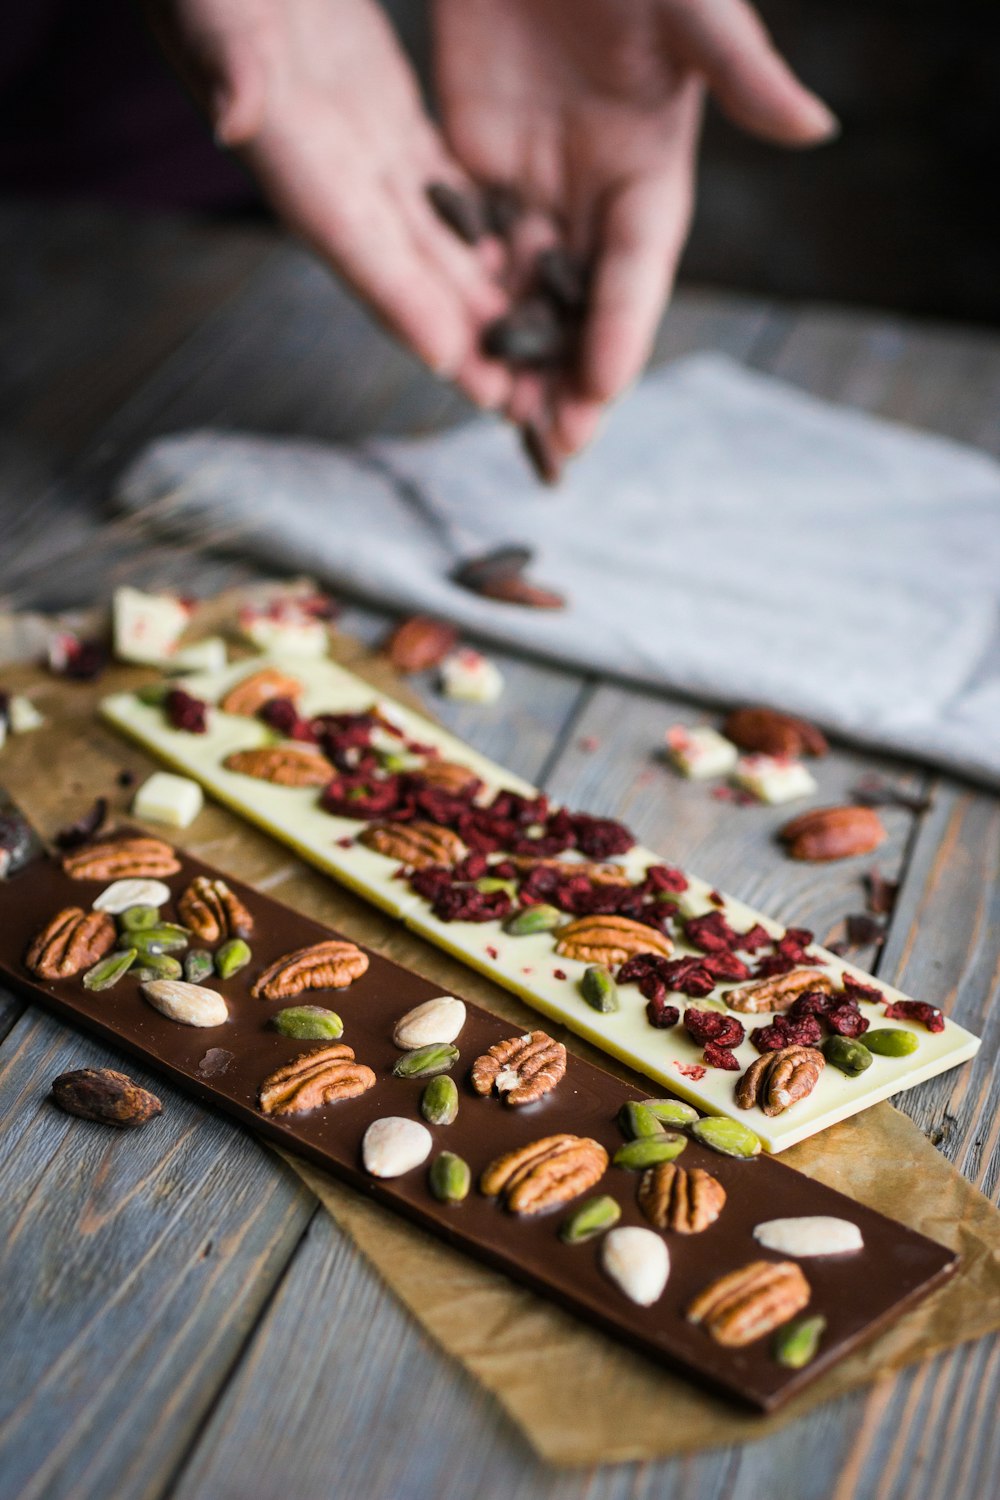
x=637, y=1261
x=395, y=1145
x=188, y=1003
x=812, y=1234
x=438, y=1020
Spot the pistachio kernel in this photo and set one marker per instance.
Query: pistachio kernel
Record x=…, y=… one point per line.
x=590, y=1219
x=796, y=1343
x=308, y=1023
x=198, y=965
x=157, y=966
x=638, y=1122
x=850, y=1056
x=439, y=1101
x=599, y=989
x=647, y=1151
x=106, y=974
x=232, y=957
x=671, y=1111
x=449, y=1178
x=138, y=918
x=728, y=1137
x=532, y=919
x=891, y=1041
x=424, y=1062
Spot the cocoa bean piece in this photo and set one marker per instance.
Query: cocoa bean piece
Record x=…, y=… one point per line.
x=106, y=1096
x=563, y=278
x=462, y=212
x=530, y=334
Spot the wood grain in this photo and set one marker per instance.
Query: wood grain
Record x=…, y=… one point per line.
x=277, y=1365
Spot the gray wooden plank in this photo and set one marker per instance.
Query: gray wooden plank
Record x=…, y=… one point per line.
x=134, y=1266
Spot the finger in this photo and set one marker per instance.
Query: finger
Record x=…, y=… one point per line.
x=727, y=42
x=575, y=422
x=640, y=242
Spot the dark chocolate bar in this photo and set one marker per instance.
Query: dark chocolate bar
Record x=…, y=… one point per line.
x=857, y=1293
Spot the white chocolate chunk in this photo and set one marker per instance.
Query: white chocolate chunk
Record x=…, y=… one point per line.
x=637, y=1261
x=470, y=677
x=22, y=715
x=209, y=655
x=170, y=799
x=700, y=752
x=773, y=778
x=286, y=630
x=395, y=1145
x=187, y=1003
x=813, y=1234
x=438, y=1020
x=122, y=894
x=147, y=627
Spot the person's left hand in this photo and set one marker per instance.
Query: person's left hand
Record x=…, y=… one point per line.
x=591, y=109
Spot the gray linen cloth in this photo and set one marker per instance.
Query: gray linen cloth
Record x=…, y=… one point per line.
x=727, y=536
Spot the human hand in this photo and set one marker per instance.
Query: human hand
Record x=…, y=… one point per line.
x=321, y=104
x=591, y=109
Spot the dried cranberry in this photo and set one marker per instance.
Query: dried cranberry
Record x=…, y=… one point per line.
x=82, y=660
x=431, y=881
x=712, y=933
x=464, y=903
x=600, y=838
x=855, y=991
x=916, y=1010
x=472, y=867
x=755, y=937
x=806, y=1032
x=661, y=1015
x=704, y=1026
x=846, y=1020
x=717, y=1056
x=282, y=715
x=352, y=796
x=664, y=878
x=813, y=1003
x=185, y=712
x=726, y=966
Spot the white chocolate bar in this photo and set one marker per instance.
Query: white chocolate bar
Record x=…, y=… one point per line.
x=528, y=966
x=165, y=798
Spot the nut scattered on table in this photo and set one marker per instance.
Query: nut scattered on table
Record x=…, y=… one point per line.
x=281, y=765
x=748, y=1303
x=71, y=941
x=779, y=1079
x=610, y=940
x=420, y=643
x=684, y=1199
x=330, y=965
x=546, y=1173
x=833, y=833
x=770, y=732
x=122, y=859
x=779, y=992
x=322, y=1076
x=521, y=1068
x=415, y=845
x=105, y=1095
x=212, y=911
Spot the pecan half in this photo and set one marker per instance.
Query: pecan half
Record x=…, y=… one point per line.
x=769, y=732
x=686, y=1200
x=750, y=1302
x=779, y=992
x=779, y=1079
x=449, y=775
x=609, y=940
x=545, y=1173
x=73, y=940
x=121, y=859
x=597, y=874
x=521, y=1069
x=250, y=694
x=833, y=833
x=212, y=912
x=105, y=1095
x=319, y=1077
x=283, y=765
x=420, y=643
x=330, y=965
x=415, y=844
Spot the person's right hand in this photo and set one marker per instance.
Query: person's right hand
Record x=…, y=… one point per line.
x=322, y=105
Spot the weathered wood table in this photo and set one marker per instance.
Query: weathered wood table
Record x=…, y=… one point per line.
x=161, y=1327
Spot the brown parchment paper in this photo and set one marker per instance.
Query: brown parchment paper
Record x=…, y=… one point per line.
x=580, y=1398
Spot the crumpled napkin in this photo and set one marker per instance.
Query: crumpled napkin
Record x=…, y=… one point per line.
x=728, y=536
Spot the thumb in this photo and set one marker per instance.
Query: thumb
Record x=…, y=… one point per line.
x=726, y=41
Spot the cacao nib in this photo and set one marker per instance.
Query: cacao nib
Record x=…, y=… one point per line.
x=661, y=1015
x=460, y=209
x=872, y=791
x=882, y=893
x=86, y=827
x=717, y=1056
x=704, y=1026
x=185, y=712
x=863, y=929
x=915, y=1010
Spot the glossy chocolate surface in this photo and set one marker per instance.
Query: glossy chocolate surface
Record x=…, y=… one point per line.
x=857, y=1293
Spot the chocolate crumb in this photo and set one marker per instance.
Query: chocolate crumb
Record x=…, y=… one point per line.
x=85, y=828
x=882, y=893
x=872, y=791
x=863, y=929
